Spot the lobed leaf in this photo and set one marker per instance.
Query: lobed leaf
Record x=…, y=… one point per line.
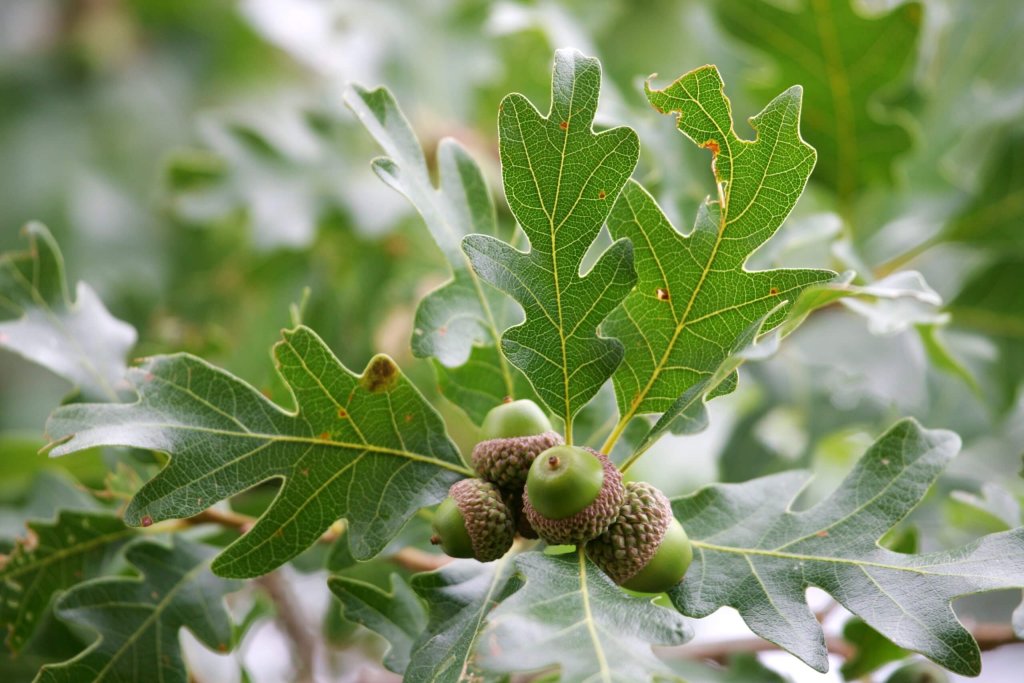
x=694, y=299
x=398, y=616
x=753, y=552
x=458, y=322
x=571, y=615
x=78, y=340
x=53, y=557
x=459, y=597
x=561, y=179
x=366, y=447
x=847, y=61
x=138, y=619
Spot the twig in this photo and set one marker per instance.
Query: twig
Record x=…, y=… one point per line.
x=304, y=645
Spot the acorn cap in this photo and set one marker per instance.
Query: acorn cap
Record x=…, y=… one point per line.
x=628, y=546
x=487, y=520
x=605, y=498
x=506, y=461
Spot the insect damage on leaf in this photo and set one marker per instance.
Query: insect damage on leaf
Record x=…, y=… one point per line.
x=380, y=375
x=704, y=298
x=224, y=436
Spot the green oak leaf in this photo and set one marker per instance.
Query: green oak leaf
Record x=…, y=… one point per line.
x=693, y=296
x=138, y=619
x=561, y=179
x=398, y=616
x=572, y=616
x=458, y=323
x=871, y=650
x=990, y=303
x=992, y=219
x=55, y=556
x=846, y=61
x=753, y=552
x=366, y=447
x=459, y=597
x=78, y=340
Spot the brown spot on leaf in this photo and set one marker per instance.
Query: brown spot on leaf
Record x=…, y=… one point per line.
x=305, y=471
x=222, y=647
x=381, y=375
x=564, y=125
x=773, y=291
x=147, y=521
x=601, y=194
x=266, y=392
x=822, y=534
x=408, y=417
x=342, y=413
x=662, y=294
x=325, y=436
x=713, y=146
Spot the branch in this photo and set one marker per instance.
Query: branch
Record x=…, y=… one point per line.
x=304, y=644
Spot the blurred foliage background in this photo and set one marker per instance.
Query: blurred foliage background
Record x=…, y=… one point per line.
x=195, y=162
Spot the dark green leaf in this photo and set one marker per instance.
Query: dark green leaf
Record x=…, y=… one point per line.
x=80, y=340
x=694, y=298
x=364, y=447
x=753, y=552
x=845, y=60
x=398, y=616
x=560, y=180
x=138, y=619
x=55, y=556
x=459, y=598
x=871, y=651
x=572, y=616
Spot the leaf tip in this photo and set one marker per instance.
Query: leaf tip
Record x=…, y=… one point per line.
x=380, y=375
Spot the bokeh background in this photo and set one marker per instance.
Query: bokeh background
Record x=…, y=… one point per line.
x=196, y=164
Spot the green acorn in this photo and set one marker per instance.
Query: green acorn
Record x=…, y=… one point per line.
x=645, y=549
x=513, y=434
x=474, y=521
x=572, y=494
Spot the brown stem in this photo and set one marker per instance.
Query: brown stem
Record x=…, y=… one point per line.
x=304, y=644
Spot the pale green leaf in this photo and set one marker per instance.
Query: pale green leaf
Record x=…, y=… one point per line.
x=79, y=340
x=55, y=556
x=846, y=61
x=138, y=619
x=561, y=179
x=398, y=616
x=463, y=313
x=367, y=448
x=572, y=616
x=753, y=552
x=694, y=298
x=459, y=597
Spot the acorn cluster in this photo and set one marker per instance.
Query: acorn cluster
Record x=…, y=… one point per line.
x=532, y=484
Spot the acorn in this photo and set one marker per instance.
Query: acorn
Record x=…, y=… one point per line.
x=513, y=434
x=474, y=521
x=572, y=494
x=645, y=549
